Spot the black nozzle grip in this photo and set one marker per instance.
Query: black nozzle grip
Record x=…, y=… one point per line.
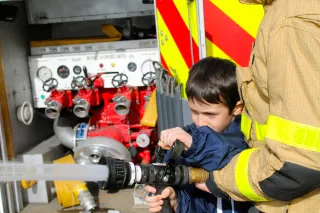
x=166, y=207
x=177, y=150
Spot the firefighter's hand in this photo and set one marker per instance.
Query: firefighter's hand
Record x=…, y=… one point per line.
x=155, y=202
x=169, y=136
x=203, y=187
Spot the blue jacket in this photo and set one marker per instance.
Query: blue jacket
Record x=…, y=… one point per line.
x=211, y=151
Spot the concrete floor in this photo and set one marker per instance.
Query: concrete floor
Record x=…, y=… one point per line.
x=121, y=201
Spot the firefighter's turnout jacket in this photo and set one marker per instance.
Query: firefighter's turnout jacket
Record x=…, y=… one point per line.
x=281, y=121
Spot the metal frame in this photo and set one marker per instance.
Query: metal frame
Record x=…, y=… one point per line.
x=190, y=30
x=3, y=198
x=157, y=29
x=8, y=185
x=94, y=47
x=17, y=194
x=202, y=31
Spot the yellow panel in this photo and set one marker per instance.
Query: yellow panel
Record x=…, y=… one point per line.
x=150, y=115
x=247, y=16
x=182, y=7
x=109, y=30
x=72, y=41
x=213, y=50
x=171, y=53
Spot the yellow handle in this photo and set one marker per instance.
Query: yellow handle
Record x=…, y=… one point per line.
x=150, y=114
x=26, y=184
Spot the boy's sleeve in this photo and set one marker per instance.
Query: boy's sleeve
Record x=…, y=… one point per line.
x=211, y=150
x=190, y=128
x=192, y=200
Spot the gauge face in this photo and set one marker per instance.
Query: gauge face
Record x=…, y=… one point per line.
x=44, y=73
x=147, y=67
x=132, y=66
x=63, y=72
x=76, y=70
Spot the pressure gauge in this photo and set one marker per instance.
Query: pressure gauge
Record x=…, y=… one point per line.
x=77, y=70
x=147, y=66
x=132, y=66
x=44, y=73
x=63, y=72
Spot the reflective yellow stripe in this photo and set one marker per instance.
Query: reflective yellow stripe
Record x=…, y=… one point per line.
x=260, y=131
x=246, y=125
x=293, y=133
x=242, y=178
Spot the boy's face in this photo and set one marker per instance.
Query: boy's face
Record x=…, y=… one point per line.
x=215, y=116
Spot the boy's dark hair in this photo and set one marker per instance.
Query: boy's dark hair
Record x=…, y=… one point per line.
x=213, y=80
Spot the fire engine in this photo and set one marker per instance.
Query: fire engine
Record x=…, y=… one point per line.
x=105, y=78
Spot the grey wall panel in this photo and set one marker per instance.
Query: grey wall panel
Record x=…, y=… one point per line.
x=15, y=49
x=55, y=11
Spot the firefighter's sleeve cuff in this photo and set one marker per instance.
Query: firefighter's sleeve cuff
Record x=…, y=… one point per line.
x=214, y=189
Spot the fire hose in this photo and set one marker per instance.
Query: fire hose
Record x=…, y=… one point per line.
x=123, y=174
x=113, y=174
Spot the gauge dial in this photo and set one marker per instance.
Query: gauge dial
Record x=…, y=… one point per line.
x=132, y=66
x=77, y=70
x=63, y=71
x=44, y=73
x=147, y=67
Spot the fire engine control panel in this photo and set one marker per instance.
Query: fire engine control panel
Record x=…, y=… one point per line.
x=131, y=67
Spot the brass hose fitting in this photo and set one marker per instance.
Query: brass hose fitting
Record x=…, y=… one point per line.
x=198, y=175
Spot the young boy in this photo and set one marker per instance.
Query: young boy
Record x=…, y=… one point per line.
x=211, y=141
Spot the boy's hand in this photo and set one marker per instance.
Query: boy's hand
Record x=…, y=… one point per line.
x=169, y=136
x=155, y=202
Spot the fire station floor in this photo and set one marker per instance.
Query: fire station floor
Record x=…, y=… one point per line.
x=121, y=201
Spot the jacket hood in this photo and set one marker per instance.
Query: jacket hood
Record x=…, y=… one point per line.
x=263, y=2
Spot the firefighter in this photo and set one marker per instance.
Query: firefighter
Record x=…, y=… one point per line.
x=281, y=121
